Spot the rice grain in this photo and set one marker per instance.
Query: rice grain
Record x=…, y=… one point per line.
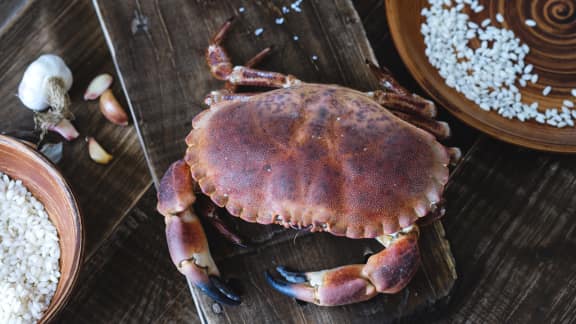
x=29, y=254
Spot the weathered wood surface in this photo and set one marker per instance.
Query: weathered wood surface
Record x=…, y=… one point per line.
x=70, y=29
x=511, y=227
x=510, y=211
x=159, y=48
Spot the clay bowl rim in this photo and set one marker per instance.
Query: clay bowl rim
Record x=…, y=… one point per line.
x=79, y=248
x=554, y=139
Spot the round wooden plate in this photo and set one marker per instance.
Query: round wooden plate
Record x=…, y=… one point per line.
x=552, y=52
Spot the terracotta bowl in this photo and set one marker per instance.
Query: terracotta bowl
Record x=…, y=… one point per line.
x=44, y=181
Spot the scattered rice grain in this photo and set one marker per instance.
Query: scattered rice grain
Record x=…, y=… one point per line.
x=489, y=74
x=530, y=23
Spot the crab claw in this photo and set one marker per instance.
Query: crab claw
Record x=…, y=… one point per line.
x=187, y=242
x=290, y=275
x=211, y=285
x=388, y=271
x=300, y=291
x=189, y=251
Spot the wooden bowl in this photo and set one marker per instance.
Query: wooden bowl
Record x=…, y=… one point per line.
x=44, y=181
x=552, y=43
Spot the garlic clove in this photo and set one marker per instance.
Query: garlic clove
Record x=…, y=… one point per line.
x=65, y=129
x=97, y=153
x=111, y=109
x=97, y=86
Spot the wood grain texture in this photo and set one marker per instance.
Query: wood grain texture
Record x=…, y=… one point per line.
x=511, y=226
x=552, y=55
x=70, y=29
x=131, y=279
x=158, y=48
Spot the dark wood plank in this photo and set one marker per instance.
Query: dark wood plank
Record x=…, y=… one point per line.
x=71, y=30
x=161, y=62
x=130, y=279
x=511, y=226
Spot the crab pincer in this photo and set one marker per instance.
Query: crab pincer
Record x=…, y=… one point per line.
x=388, y=271
x=186, y=239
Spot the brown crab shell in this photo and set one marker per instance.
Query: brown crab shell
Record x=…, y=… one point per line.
x=322, y=157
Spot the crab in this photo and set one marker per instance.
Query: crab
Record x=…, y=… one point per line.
x=319, y=157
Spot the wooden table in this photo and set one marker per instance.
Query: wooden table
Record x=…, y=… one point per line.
x=509, y=221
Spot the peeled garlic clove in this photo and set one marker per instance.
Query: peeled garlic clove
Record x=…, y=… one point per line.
x=97, y=86
x=111, y=109
x=65, y=128
x=97, y=153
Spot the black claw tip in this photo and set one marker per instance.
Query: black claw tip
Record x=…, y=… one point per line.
x=218, y=291
x=280, y=284
x=291, y=275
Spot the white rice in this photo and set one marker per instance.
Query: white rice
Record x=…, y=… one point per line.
x=530, y=23
x=29, y=255
x=491, y=74
x=258, y=31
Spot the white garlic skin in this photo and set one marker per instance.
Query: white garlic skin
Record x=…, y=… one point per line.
x=32, y=90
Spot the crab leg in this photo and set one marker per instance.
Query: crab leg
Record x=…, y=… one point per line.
x=410, y=104
x=397, y=97
x=225, y=95
x=251, y=63
x=186, y=239
x=439, y=129
x=208, y=210
x=229, y=91
x=387, y=272
x=222, y=69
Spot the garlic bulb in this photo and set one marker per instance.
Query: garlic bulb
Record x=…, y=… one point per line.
x=33, y=90
x=45, y=84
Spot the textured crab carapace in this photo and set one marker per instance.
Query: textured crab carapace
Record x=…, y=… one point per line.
x=320, y=157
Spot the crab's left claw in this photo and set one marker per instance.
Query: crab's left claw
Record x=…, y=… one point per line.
x=388, y=271
x=187, y=242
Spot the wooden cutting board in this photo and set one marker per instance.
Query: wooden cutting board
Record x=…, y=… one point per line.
x=158, y=50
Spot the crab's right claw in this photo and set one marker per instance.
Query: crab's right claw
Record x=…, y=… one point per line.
x=175, y=193
x=190, y=253
x=186, y=239
x=211, y=285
